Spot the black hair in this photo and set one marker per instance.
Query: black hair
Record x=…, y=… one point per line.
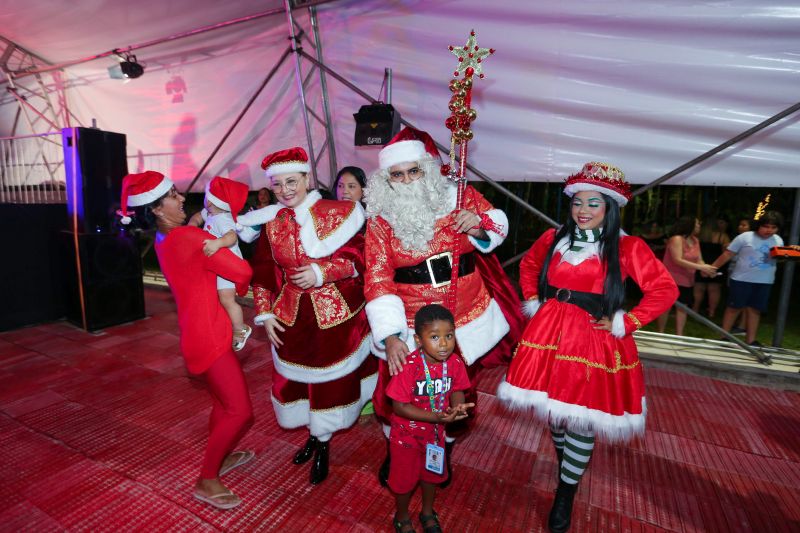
x=684, y=226
x=770, y=217
x=356, y=172
x=613, y=287
x=326, y=194
x=430, y=313
x=143, y=217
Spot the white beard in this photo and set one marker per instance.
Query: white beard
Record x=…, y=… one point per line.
x=410, y=209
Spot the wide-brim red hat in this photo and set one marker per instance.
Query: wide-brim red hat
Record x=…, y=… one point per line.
x=600, y=177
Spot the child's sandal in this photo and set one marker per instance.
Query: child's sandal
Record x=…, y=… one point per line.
x=400, y=524
x=435, y=528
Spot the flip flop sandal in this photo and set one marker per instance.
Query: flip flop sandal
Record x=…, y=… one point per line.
x=245, y=456
x=213, y=500
x=400, y=524
x=245, y=334
x=436, y=527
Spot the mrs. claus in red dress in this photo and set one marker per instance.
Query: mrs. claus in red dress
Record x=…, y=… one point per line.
x=577, y=366
x=309, y=294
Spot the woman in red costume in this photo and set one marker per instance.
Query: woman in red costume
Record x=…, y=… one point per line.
x=309, y=295
x=577, y=366
x=204, y=325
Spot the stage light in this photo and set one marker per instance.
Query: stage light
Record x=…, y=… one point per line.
x=127, y=69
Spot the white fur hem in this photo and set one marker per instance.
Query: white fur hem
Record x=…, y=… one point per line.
x=259, y=216
x=529, y=307
x=307, y=374
x=260, y=319
x=326, y=421
x=318, y=279
x=313, y=246
x=570, y=190
x=495, y=239
x=480, y=335
x=618, y=324
x=387, y=316
x=612, y=428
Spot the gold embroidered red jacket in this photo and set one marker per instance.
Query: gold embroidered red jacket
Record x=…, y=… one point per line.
x=321, y=233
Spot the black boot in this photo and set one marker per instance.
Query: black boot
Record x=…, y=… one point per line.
x=319, y=468
x=306, y=452
x=561, y=513
x=448, y=451
x=383, y=471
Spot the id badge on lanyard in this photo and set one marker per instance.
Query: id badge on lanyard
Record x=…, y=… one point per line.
x=434, y=454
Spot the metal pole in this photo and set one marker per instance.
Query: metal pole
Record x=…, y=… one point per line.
x=298, y=74
x=323, y=83
x=788, y=275
x=441, y=147
x=239, y=118
x=387, y=75
x=758, y=127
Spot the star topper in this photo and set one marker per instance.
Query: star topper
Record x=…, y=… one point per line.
x=470, y=56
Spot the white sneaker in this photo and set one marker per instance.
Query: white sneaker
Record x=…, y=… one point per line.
x=239, y=344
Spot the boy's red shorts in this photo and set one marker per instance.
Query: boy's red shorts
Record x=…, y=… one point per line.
x=407, y=467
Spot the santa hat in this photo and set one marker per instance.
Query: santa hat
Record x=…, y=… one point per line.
x=600, y=177
x=286, y=162
x=141, y=189
x=408, y=146
x=227, y=194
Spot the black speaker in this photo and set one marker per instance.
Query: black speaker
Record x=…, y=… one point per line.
x=109, y=288
x=32, y=288
x=376, y=124
x=95, y=163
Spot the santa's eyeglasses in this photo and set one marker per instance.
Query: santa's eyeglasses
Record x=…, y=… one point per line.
x=412, y=174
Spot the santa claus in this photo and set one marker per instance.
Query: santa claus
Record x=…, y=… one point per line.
x=413, y=232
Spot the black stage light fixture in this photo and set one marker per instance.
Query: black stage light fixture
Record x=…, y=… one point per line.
x=130, y=68
x=376, y=124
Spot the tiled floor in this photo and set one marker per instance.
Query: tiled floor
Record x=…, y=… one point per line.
x=105, y=433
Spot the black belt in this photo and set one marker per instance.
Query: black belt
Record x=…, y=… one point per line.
x=435, y=270
x=588, y=301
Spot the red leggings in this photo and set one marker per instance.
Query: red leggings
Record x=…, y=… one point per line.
x=231, y=414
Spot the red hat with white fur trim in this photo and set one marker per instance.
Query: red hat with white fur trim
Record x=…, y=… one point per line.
x=407, y=146
x=227, y=194
x=600, y=177
x=286, y=162
x=141, y=189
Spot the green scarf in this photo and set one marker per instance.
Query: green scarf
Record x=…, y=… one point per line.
x=584, y=236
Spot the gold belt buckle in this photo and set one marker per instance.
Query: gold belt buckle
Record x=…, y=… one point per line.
x=434, y=282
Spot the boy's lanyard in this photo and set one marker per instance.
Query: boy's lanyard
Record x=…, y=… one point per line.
x=431, y=394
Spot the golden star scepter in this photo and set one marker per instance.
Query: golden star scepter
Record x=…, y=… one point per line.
x=470, y=63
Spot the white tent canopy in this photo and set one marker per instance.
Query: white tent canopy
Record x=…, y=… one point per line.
x=645, y=86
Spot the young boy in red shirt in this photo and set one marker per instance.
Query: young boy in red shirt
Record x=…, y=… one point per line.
x=426, y=395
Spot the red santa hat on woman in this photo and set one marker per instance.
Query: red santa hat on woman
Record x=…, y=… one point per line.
x=286, y=162
x=407, y=146
x=141, y=189
x=227, y=194
x=600, y=177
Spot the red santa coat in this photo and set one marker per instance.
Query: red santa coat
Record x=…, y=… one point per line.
x=325, y=369
x=571, y=374
x=391, y=306
x=206, y=330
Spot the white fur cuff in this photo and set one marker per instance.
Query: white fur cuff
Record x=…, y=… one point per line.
x=318, y=275
x=618, y=324
x=495, y=239
x=529, y=307
x=387, y=316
